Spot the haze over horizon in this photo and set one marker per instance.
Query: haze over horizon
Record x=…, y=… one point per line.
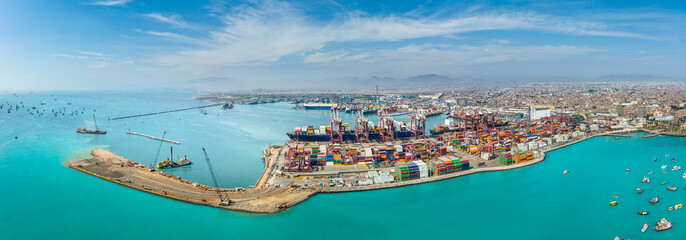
x=241, y=45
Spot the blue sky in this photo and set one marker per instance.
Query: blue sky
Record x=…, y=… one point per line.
x=234, y=45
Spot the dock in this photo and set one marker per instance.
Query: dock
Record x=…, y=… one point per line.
x=619, y=135
x=168, y=111
x=154, y=138
x=651, y=135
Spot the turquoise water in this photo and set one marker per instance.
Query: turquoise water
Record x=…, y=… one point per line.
x=43, y=199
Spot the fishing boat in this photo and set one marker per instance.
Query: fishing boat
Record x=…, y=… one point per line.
x=654, y=200
x=645, y=180
x=670, y=188
x=169, y=163
x=662, y=225
x=565, y=172
x=88, y=131
x=639, y=190
x=644, y=212
x=613, y=203
x=645, y=227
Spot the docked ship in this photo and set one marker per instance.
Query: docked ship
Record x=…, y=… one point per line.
x=323, y=133
x=319, y=105
x=444, y=128
x=169, y=163
x=88, y=131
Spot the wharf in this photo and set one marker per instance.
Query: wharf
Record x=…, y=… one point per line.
x=168, y=111
x=619, y=135
x=154, y=138
x=652, y=135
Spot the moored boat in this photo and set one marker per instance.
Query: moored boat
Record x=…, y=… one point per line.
x=662, y=225
x=639, y=190
x=654, y=200
x=644, y=212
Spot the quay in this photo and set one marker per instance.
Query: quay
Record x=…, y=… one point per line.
x=168, y=111
x=652, y=135
x=154, y=138
x=619, y=135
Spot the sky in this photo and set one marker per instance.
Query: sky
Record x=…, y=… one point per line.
x=241, y=45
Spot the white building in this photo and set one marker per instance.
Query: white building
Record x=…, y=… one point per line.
x=536, y=113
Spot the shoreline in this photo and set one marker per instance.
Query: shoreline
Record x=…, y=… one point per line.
x=263, y=197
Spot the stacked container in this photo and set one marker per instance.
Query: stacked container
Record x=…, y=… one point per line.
x=423, y=169
x=403, y=171
x=506, y=159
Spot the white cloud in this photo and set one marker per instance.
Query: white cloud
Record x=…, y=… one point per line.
x=171, y=19
x=98, y=60
x=110, y=3
x=274, y=29
x=325, y=57
x=166, y=34
x=502, y=41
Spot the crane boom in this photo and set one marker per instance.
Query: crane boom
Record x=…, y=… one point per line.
x=223, y=201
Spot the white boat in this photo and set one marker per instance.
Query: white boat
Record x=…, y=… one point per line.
x=676, y=168
x=567, y=171
x=662, y=225
x=645, y=227
x=663, y=166
x=684, y=176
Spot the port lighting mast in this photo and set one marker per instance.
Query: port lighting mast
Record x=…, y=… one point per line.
x=336, y=125
x=222, y=201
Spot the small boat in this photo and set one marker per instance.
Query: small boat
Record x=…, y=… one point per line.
x=663, y=166
x=227, y=106
x=656, y=159
x=673, y=160
x=678, y=206
x=616, y=138
x=662, y=225
x=639, y=190
x=670, y=188
x=644, y=212
x=567, y=171
x=645, y=180
x=676, y=168
x=645, y=227
x=654, y=200
x=627, y=170
x=650, y=172
x=671, y=208
x=663, y=183
x=684, y=176
x=613, y=203
x=667, y=155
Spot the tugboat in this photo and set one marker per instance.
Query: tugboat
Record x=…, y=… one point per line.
x=644, y=212
x=662, y=225
x=172, y=164
x=654, y=200
x=227, y=106
x=88, y=131
x=639, y=190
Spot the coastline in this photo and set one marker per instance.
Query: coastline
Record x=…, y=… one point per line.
x=263, y=197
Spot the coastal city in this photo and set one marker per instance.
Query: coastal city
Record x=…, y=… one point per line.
x=340, y=120
x=481, y=130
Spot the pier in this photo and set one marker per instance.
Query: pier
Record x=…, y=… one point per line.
x=168, y=111
x=154, y=138
x=620, y=135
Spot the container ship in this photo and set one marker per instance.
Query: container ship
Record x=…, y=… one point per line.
x=308, y=134
x=319, y=105
x=441, y=129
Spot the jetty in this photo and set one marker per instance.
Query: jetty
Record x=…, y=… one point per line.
x=619, y=135
x=652, y=135
x=154, y=138
x=168, y=111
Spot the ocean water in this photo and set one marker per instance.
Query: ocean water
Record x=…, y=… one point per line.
x=42, y=199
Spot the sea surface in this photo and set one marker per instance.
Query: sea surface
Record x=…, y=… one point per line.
x=43, y=199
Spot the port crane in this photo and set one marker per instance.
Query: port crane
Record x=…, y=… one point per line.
x=222, y=201
x=336, y=126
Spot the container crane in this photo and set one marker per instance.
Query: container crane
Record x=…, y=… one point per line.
x=222, y=201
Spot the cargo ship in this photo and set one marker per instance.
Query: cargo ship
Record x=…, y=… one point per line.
x=88, y=131
x=172, y=164
x=319, y=105
x=309, y=133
